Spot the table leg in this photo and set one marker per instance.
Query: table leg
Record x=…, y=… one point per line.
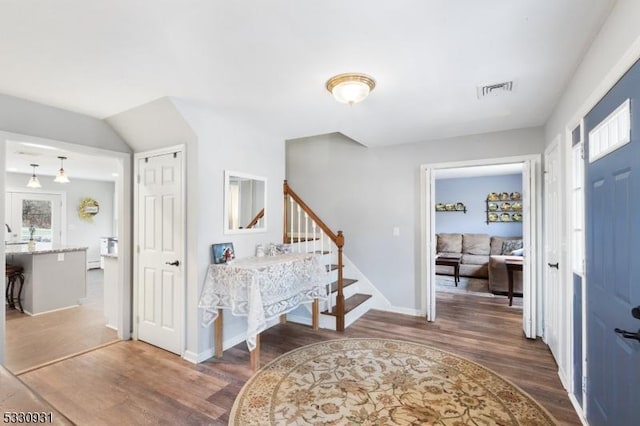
x=456, y=274
x=315, y=315
x=510, y=274
x=255, y=355
x=283, y=318
x=218, y=334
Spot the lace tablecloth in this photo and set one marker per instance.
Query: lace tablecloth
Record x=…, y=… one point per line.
x=262, y=288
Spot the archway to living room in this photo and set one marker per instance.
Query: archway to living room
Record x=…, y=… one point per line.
x=479, y=234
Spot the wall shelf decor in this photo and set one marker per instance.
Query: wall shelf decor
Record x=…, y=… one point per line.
x=451, y=207
x=504, y=207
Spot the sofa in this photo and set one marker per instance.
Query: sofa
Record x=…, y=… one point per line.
x=481, y=256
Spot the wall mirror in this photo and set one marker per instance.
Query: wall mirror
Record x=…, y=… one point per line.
x=245, y=203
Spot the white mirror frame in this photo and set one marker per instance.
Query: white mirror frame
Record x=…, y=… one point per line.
x=227, y=202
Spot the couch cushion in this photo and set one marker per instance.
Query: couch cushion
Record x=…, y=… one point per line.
x=450, y=243
x=476, y=244
x=474, y=259
x=496, y=244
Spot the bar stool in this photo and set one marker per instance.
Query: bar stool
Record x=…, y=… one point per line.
x=14, y=272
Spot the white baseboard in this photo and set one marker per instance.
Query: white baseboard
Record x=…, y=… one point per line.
x=299, y=319
x=405, y=311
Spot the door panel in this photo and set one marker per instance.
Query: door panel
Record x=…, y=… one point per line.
x=612, y=213
x=161, y=258
x=553, y=292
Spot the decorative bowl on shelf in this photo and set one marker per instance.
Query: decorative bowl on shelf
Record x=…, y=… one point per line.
x=515, y=196
x=493, y=196
x=459, y=206
x=504, y=196
x=505, y=217
x=449, y=206
x=505, y=206
x=517, y=217
x=492, y=207
x=516, y=206
x=492, y=217
x=440, y=207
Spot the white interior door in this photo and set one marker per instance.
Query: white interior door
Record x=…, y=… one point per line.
x=160, y=246
x=37, y=213
x=552, y=218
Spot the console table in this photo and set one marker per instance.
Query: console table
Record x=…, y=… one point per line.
x=262, y=289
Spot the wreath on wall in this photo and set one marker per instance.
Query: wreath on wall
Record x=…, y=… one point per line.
x=88, y=209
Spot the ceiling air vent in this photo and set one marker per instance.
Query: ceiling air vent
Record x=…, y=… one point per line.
x=495, y=89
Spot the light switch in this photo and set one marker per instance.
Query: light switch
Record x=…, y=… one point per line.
x=396, y=231
x=60, y=257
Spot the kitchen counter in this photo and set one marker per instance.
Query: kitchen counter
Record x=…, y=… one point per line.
x=55, y=276
x=40, y=248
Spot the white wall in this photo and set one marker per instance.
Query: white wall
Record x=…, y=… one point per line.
x=214, y=143
x=613, y=51
x=34, y=119
x=79, y=232
x=366, y=192
x=229, y=144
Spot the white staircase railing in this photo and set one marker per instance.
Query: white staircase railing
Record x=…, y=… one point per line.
x=304, y=230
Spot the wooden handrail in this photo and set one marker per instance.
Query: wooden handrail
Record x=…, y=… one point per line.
x=255, y=220
x=337, y=239
x=288, y=191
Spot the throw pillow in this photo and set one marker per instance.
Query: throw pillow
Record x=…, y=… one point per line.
x=509, y=246
x=518, y=252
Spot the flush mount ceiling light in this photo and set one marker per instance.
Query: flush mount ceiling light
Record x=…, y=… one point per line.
x=61, y=176
x=34, y=182
x=350, y=88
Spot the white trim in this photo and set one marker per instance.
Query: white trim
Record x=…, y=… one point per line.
x=136, y=157
x=123, y=189
x=579, y=412
x=404, y=311
x=532, y=200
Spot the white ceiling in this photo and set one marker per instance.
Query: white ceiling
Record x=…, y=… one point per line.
x=77, y=165
x=268, y=61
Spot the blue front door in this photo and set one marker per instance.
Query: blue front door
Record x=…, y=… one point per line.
x=612, y=217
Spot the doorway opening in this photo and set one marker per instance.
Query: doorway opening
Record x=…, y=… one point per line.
x=492, y=208
x=65, y=246
x=478, y=230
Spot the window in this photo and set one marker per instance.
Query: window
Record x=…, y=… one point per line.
x=577, y=187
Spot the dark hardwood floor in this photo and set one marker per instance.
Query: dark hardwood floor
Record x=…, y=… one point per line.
x=136, y=383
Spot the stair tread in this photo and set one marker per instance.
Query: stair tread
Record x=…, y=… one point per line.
x=331, y=267
x=346, y=282
x=350, y=304
x=320, y=252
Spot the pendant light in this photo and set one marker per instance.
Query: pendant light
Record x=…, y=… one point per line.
x=61, y=176
x=34, y=182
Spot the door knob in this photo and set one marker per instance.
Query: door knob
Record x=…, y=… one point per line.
x=554, y=265
x=628, y=334
x=174, y=263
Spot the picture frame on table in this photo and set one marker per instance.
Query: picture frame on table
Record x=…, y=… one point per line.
x=222, y=253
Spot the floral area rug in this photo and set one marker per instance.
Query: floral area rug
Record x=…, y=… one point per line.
x=380, y=382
